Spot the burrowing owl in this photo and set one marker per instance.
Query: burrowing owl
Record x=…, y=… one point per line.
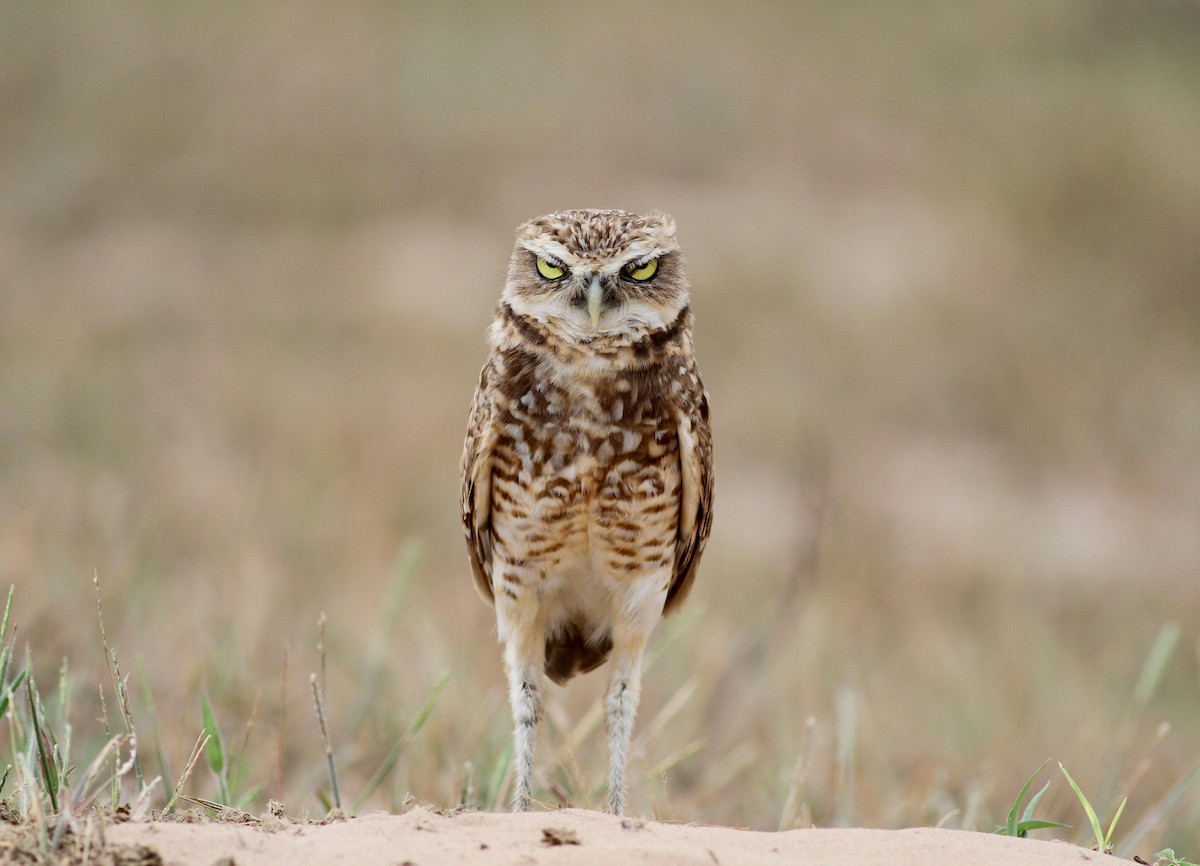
x=587, y=471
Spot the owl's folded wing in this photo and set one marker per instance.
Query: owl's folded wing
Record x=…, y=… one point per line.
x=696, y=498
x=476, y=467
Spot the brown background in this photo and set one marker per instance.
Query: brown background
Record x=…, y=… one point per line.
x=945, y=263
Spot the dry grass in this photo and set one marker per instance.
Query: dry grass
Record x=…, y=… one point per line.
x=945, y=272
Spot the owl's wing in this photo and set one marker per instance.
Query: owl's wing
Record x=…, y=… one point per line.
x=476, y=467
x=696, y=497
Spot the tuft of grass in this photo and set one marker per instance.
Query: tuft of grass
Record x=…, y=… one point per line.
x=40, y=748
x=1104, y=840
x=1167, y=857
x=1020, y=827
x=7, y=640
x=51, y=758
x=228, y=766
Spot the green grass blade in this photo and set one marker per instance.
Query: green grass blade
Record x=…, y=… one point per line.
x=1010, y=826
x=152, y=712
x=1113, y=825
x=43, y=739
x=407, y=737
x=10, y=690
x=246, y=798
x=63, y=691
x=1038, y=824
x=1028, y=813
x=427, y=707
x=376, y=664
x=674, y=758
x=214, y=750
x=1028, y=822
x=496, y=780
x=6, y=642
x=1156, y=663
x=6, y=652
x=1087, y=807
x=238, y=767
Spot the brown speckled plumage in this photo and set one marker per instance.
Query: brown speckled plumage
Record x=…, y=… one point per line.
x=587, y=469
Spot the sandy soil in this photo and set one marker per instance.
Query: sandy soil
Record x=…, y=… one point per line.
x=580, y=838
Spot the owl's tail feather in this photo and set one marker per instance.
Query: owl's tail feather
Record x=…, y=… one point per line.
x=568, y=653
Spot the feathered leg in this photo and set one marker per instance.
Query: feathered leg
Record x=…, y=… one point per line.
x=621, y=707
x=523, y=660
x=522, y=628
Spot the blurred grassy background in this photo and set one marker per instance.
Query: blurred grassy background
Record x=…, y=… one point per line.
x=946, y=268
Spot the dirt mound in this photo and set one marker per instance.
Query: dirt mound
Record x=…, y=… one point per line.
x=426, y=838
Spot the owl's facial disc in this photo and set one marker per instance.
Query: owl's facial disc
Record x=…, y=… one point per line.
x=598, y=277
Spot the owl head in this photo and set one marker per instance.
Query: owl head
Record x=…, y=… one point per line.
x=598, y=276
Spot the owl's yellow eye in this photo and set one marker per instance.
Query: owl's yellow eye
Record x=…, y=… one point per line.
x=549, y=271
x=642, y=272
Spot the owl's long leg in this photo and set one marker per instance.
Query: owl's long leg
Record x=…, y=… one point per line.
x=640, y=607
x=620, y=704
x=525, y=695
x=522, y=628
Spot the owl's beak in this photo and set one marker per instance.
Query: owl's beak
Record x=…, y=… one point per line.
x=595, y=297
